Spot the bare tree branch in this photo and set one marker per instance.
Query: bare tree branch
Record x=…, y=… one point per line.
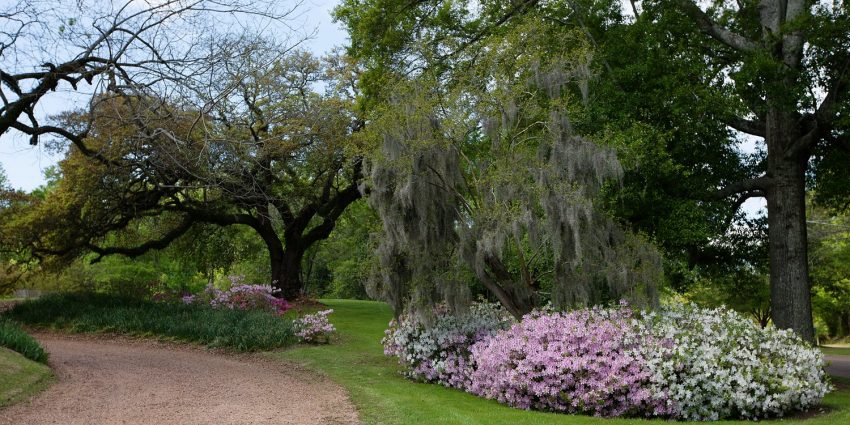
x=743, y=187
x=755, y=128
x=716, y=31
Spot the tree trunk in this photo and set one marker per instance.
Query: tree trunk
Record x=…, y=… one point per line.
x=516, y=298
x=285, y=262
x=286, y=272
x=790, y=288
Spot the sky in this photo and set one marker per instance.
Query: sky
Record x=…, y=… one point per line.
x=24, y=164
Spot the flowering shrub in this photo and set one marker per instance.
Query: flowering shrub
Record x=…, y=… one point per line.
x=585, y=361
x=315, y=327
x=439, y=352
x=683, y=362
x=718, y=364
x=240, y=296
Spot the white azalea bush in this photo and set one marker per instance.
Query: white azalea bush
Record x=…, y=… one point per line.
x=717, y=364
x=438, y=351
x=682, y=362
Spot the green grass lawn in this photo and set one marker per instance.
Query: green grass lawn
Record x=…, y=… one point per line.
x=836, y=350
x=382, y=396
x=20, y=377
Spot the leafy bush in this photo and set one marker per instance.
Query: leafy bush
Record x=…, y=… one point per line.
x=240, y=296
x=315, y=327
x=683, y=362
x=717, y=364
x=585, y=361
x=439, y=351
x=243, y=330
x=15, y=339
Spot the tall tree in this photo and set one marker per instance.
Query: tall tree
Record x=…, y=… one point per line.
x=258, y=147
x=775, y=69
x=484, y=174
x=788, y=66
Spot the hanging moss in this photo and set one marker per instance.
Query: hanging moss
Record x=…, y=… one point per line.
x=487, y=175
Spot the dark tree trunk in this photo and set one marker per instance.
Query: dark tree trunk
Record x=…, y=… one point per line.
x=286, y=273
x=790, y=289
x=516, y=298
x=285, y=262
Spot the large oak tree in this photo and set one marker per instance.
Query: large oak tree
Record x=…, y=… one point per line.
x=259, y=146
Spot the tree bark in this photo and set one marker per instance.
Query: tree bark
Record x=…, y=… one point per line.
x=286, y=273
x=518, y=300
x=790, y=288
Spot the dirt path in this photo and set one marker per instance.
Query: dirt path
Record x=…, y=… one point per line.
x=140, y=382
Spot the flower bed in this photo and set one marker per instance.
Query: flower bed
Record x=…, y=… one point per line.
x=683, y=362
x=717, y=364
x=240, y=296
x=586, y=361
x=438, y=352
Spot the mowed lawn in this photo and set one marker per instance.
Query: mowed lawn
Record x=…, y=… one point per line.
x=382, y=396
x=836, y=350
x=20, y=377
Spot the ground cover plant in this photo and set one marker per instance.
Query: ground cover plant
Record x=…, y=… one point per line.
x=242, y=330
x=384, y=396
x=16, y=339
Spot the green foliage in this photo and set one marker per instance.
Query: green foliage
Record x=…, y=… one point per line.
x=744, y=289
x=4, y=181
x=383, y=396
x=273, y=159
x=339, y=266
x=16, y=339
x=829, y=241
x=240, y=330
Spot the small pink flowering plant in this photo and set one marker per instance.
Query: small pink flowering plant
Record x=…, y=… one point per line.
x=315, y=328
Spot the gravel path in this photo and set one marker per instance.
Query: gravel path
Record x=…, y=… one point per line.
x=128, y=381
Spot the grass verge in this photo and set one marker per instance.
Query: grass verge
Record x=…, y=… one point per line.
x=234, y=329
x=15, y=339
x=382, y=396
x=20, y=377
x=836, y=350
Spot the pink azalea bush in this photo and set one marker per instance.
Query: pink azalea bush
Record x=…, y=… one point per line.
x=315, y=328
x=585, y=361
x=682, y=362
x=240, y=296
x=438, y=351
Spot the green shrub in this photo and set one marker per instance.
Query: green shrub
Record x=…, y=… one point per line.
x=15, y=339
x=91, y=312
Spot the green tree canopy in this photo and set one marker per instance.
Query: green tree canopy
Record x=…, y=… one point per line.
x=677, y=84
x=259, y=147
